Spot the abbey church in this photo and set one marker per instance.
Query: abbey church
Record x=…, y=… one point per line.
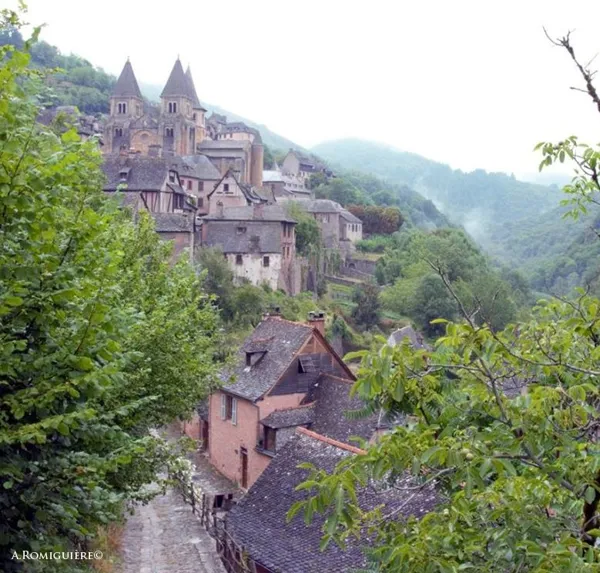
x=179, y=127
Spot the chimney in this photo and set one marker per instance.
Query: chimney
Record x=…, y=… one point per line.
x=317, y=321
x=259, y=210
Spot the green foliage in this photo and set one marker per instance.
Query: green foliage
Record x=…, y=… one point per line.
x=378, y=220
x=407, y=266
x=504, y=423
x=376, y=244
x=367, y=309
x=308, y=234
x=76, y=82
x=518, y=475
x=100, y=337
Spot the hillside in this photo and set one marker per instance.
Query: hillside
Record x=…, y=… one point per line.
x=478, y=200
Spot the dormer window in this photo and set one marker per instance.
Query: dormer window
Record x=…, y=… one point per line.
x=123, y=174
x=240, y=230
x=253, y=358
x=121, y=107
x=172, y=176
x=172, y=107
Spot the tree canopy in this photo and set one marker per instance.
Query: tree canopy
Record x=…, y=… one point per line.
x=101, y=336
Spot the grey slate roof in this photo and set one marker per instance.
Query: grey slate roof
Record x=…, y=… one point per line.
x=346, y=215
x=127, y=85
x=178, y=84
x=261, y=237
x=173, y=222
x=282, y=339
x=209, y=144
x=332, y=402
x=144, y=173
x=272, y=176
x=407, y=332
x=323, y=206
x=200, y=167
x=258, y=522
x=192, y=90
x=299, y=416
x=248, y=213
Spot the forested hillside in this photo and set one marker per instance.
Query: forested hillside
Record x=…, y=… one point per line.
x=476, y=200
x=78, y=82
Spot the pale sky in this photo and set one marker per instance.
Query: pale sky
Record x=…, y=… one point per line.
x=471, y=83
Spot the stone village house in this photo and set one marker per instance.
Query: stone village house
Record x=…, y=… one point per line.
x=284, y=403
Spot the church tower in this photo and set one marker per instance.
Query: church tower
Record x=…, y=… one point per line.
x=177, y=124
x=126, y=105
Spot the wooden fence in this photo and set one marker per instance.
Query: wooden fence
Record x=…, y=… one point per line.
x=234, y=558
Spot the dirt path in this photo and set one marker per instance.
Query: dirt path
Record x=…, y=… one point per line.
x=166, y=537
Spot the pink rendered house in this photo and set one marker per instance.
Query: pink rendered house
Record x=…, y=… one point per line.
x=267, y=395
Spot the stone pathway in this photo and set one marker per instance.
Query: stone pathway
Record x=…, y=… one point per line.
x=166, y=537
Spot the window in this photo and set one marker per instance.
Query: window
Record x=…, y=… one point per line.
x=200, y=185
x=240, y=230
x=229, y=408
x=238, y=260
x=194, y=117
x=189, y=184
x=269, y=439
x=172, y=176
x=118, y=132
x=266, y=261
x=200, y=202
x=226, y=187
x=172, y=107
x=168, y=131
x=178, y=200
x=122, y=107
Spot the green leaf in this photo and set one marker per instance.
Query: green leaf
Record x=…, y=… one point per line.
x=590, y=494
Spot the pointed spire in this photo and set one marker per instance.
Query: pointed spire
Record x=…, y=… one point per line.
x=192, y=89
x=177, y=84
x=127, y=85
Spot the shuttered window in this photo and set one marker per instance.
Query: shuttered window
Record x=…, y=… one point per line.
x=234, y=411
x=223, y=407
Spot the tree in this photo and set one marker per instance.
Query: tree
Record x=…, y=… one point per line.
x=366, y=298
x=378, y=220
x=97, y=334
x=308, y=234
x=217, y=279
x=505, y=424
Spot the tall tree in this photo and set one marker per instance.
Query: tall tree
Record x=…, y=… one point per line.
x=100, y=338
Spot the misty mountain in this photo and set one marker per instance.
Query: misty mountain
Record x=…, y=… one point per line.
x=480, y=201
x=270, y=138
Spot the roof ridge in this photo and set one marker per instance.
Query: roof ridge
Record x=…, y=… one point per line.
x=329, y=441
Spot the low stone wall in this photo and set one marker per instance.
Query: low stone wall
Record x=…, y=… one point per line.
x=341, y=281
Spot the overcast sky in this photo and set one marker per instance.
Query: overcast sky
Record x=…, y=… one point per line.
x=471, y=83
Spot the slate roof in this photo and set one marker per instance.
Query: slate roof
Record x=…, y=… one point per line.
x=299, y=416
x=282, y=339
x=178, y=84
x=349, y=216
x=262, y=237
x=272, y=176
x=323, y=206
x=209, y=144
x=248, y=213
x=192, y=90
x=173, y=222
x=200, y=167
x=144, y=173
x=127, y=85
x=407, y=332
x=258, y=522
x=332, y=401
